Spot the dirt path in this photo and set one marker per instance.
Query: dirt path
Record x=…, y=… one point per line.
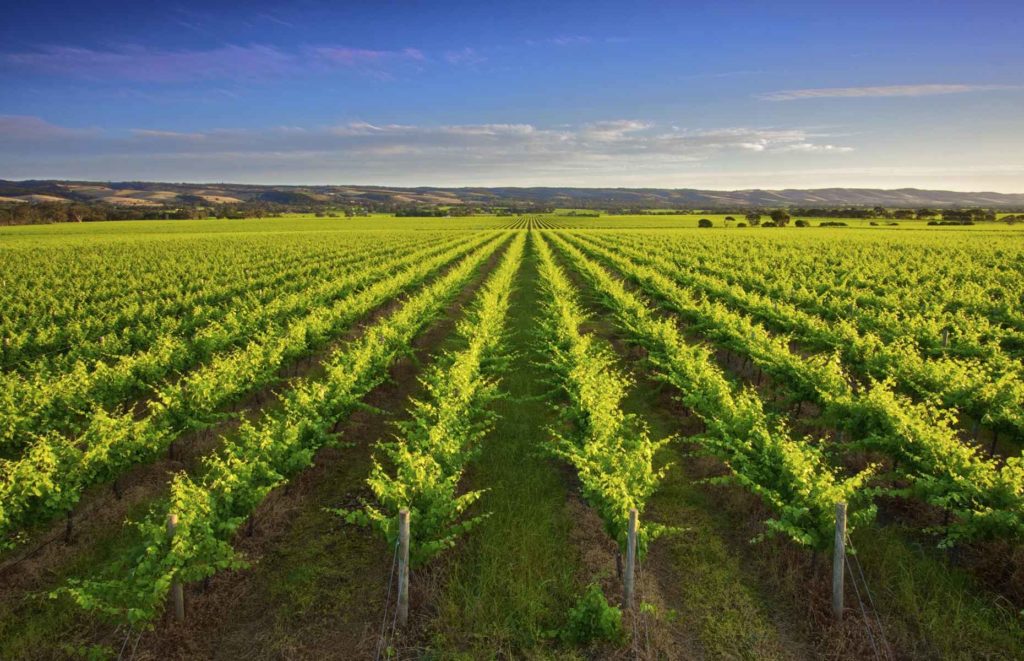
x=511, y=580
x=507, y=589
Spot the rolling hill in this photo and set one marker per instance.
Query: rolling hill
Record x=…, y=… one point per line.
x=152, y=194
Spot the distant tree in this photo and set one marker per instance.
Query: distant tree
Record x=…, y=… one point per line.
x=926, y=213
x=957, y=216
x=780, y=218
x=704, y=222
x=754, y=219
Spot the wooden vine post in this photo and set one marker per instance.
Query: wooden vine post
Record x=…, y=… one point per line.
x=630, y=574
x=839, y=562
x=403, y=567
x=177, y=591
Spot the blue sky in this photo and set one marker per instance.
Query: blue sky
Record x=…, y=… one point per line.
x=719, y=95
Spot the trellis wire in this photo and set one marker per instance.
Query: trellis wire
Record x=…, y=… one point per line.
x=871, y=602
x=646, y=622
x=135, y=645
x=387, y=602
x=127, y=637
x=875, y=619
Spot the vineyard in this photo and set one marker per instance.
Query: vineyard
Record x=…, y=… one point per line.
x=518, y=437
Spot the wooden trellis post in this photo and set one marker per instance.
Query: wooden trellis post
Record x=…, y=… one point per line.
x=839, y=562
x=403, y=567
x=630, y=574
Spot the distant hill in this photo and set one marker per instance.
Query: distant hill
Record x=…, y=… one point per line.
x=154, y=194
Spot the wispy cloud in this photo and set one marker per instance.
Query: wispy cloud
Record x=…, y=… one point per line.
x=570, y=40
x=166, y=135
x=563, y=40
x=28, y=129
x=378, y=63
x=466, y=56
x=357, y=57
x=144, y=64
x=275, y=19
x=879, y=91
x=724, y=74
x=364, y=151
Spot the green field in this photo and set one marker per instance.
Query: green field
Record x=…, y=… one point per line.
x=284, y=386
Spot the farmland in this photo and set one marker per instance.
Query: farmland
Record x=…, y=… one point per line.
x=282, y=388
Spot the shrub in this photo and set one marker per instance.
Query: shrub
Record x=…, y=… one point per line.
x=832, y=223
x=593, y=619
x=802, y=223
x=704, y=222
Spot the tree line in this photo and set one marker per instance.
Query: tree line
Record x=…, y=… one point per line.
x=31, y=213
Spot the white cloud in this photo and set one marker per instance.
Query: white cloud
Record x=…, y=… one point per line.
x=815, y=148
x=879, y=91
x=363, y=151
x=615, y=130
x=612, y=138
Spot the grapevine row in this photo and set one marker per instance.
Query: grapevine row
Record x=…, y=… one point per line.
x=791, y=476
x=57, y=404
x=610, y=450
x=39, y=340
x=994, y=398
x=900, y=290
x=54, y=471
x=987, y=500
x=262, y=457
x=425, y=463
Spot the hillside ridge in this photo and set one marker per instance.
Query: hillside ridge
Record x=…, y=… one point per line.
x=169, y=194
